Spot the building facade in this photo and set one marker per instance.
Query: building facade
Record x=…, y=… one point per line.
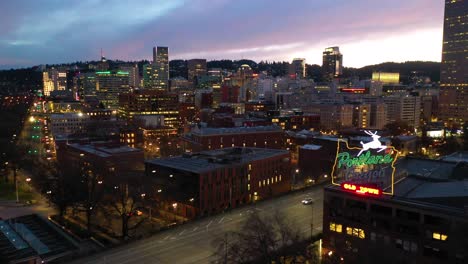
x=196, y=68
x=109, y=84
x=150, y=102
x=332, y=64
x=161, y=67
x=213, y=181
x=453, y=102
x=203, y=138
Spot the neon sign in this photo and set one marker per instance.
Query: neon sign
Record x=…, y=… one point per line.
x=359, y=189
x=368, y=169
x=345, y=159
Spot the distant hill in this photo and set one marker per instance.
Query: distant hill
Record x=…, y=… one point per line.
x=17, y=80
x=406, y=70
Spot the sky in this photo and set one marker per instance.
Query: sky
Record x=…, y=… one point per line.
x=368, y=32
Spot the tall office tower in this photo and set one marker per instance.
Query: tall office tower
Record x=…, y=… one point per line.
x=196, y=68
x=453, y=102
x=298, y=68
x=108, y=87
x=161, y=68
x=332, y=65
x=48, y=84
x=405, y=108
x=133, y=74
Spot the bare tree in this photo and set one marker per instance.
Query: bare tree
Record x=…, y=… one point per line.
x=124, y=203
x=262, y=239
x=60, y=184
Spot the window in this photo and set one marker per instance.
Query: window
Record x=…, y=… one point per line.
x=439, y=236
x=355, y=232
x=336, y=227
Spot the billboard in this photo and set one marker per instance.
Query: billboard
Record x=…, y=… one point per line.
x=368, y=169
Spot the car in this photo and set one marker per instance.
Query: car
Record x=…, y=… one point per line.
x=308, y=201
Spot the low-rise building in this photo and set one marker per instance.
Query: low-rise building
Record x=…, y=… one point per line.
x=424, y=221
x=212, y=181
x=207, y=138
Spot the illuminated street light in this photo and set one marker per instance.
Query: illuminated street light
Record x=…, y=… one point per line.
x=49, y=192
x=330, y=253
x=32, y=119
x=170, y=176
x=174, y=205
x=191, y=199
x=143, y=195
x=159, y=190
x=99, y=182
x=28, y=179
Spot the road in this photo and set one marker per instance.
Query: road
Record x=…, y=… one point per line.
x=192, y=242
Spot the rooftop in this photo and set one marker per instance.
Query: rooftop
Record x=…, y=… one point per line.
x=103, y=151
x=214, y=159
x=461, y=156
x=30, y=237
x=208, y=131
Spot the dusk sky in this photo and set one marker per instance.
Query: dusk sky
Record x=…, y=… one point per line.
x=368, y=32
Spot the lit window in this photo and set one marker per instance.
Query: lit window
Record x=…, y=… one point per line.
x=438, y=236
x=336, y=227
x=356, y=232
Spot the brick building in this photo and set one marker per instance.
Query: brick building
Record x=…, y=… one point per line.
x=425, y=221
x=205, y=138
x=213, y=181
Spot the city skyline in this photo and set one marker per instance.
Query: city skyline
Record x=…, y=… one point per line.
x=59, y=33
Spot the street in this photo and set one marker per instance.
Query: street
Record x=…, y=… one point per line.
x=192, y=242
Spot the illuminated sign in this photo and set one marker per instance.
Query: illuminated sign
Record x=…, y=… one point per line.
x=360, y=189
x=353, y=90
x=368, y=169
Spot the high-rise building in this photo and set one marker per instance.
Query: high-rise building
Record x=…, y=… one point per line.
x=453, y=104
x=150, y=102
x=161, y=68
x=405, y=108
x=196, y=68
x=133, y=74
x=332, y=65
x=298, y=68
x=108, y=87
x=48, y=84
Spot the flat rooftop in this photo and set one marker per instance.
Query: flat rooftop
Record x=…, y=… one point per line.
x=214, y=159
x=103, y=151
x=461, y=156
x=30, y=237
x=430, y=183
x=208, y=131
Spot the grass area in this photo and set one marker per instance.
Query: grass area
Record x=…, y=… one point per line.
x=8, y=192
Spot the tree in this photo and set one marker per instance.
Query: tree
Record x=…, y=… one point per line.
x=262, y=239
x=124, y=203
x=398, y=128
x=60, y=184
x=90, y=190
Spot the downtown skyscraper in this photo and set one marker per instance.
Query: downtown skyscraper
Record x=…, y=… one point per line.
x=161, y=68
x=332, y=64
x=453, y=102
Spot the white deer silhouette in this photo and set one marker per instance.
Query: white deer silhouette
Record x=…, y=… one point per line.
x=374, y=144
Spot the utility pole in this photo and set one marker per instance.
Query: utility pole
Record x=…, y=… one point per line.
x=312, y=222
